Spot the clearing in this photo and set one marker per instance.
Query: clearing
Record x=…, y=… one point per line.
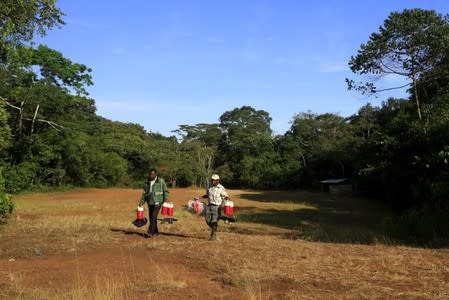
x=285, y=245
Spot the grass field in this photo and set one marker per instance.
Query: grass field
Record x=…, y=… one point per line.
x=81, y=244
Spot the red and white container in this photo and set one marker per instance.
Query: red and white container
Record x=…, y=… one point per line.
x=229, y=208
x=164, y=208
x=198, y=207
x=140, y=213
x=171, y=209
x=167, y=209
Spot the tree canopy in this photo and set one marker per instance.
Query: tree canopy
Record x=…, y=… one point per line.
x=410, y=44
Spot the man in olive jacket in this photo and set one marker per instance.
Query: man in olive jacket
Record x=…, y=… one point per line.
x=155, y=192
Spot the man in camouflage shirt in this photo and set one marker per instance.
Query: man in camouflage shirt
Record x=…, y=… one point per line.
x=216, y=195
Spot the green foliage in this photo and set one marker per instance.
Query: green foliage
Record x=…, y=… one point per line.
x=58, y=70
x=6, y=203
x=403, y=146
x=408, y=44
x=6, y=207
x=21, y=177
x=5, y=131
x=425, y=225
x=206, y=134
x=246, y=137
x=108, y=169
x=315, y=148
x=199, y=145
x=87, y=164
x=413, y=44
x=21, y=19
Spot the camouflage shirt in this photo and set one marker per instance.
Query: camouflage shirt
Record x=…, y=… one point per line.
x=216, y=194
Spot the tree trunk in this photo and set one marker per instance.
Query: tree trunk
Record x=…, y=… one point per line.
x=418, y=104
x=303, y=159
x=34, y=118
x=20, y=120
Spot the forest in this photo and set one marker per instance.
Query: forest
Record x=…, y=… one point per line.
x=398, y=152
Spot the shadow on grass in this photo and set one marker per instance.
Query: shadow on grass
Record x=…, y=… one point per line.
x=127, y=231
x=326, y=217
x=142, y=234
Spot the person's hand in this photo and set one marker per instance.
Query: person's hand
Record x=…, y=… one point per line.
x=205, y=196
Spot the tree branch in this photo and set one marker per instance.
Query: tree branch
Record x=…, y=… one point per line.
x=9, y=104
x=34, y=118
x=55, y=126
x=392, y=71
x=392, y=88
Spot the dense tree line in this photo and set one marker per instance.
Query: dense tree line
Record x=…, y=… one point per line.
x=50, y=134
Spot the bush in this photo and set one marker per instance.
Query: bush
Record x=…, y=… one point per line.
x=6, y=207
x=6, y=204
x=20, y=177
x=427, y=225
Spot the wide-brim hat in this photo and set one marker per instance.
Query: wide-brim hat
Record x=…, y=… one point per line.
x=140, y=222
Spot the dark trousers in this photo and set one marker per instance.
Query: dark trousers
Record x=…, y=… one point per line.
x=153, y=212
x=212, y=215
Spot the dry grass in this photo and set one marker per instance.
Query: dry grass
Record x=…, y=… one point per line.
x=351, y=271
x=288, y=245
x=102, y=286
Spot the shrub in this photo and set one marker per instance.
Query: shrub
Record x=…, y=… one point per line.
x=6, y=204
x=20, y=177
x=6, y=207
x=424, y=225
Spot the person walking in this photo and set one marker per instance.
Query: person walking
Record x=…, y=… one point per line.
x=216, y=195
x=155, y=193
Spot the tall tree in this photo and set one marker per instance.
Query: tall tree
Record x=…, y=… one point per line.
x=409, y=44
x=315, y=147
x=201, y=140
x=247, y=137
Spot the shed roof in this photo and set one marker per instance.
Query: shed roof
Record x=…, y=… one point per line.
x=336, y=180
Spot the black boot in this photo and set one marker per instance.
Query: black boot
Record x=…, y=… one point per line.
x=213, y=234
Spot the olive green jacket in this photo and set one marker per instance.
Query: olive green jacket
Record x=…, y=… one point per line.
x=159, y=193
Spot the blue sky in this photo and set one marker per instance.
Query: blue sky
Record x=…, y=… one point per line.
x=166, y=63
